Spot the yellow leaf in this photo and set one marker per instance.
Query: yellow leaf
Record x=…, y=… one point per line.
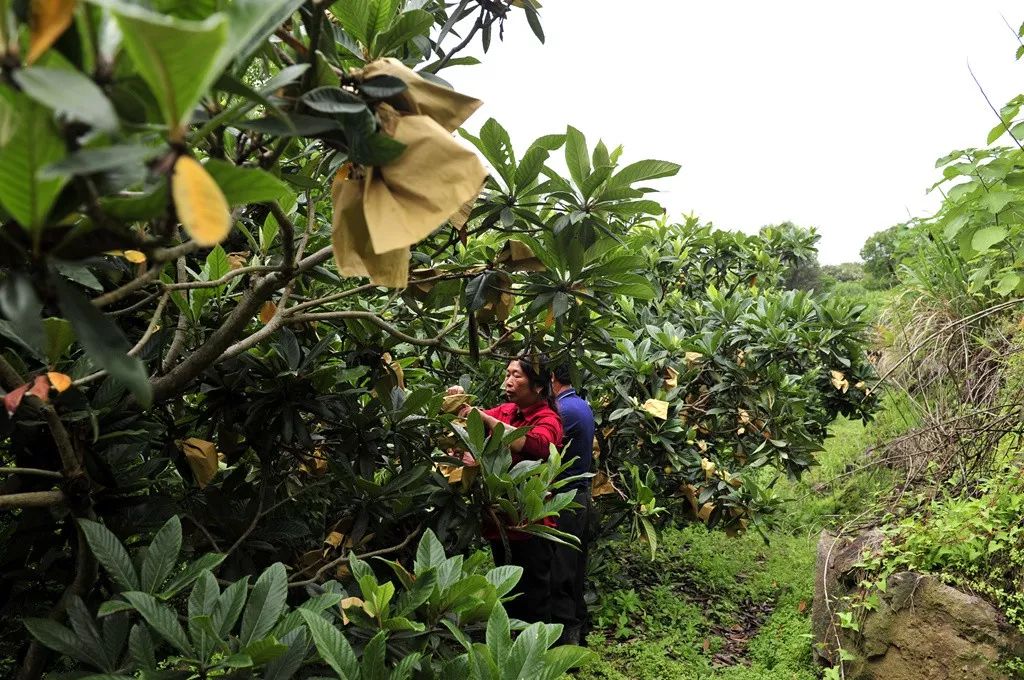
x=691, y=493
x=267, y=312
x=459, y=219
x=741, y=358
x=334, y=539
x=657, y=408
x=517, y=256
x=693, y=358
x=135, y=256
x=203, y=459
x=448, y=108
x=347, y=603
x=671, y=380
x=601, y=485
x=702, y=445
x=840, y=382
x=453, y=402
x=59, y=381
x=744, y=416
x=396, y=368
x=49, y=19
x=202, y=208
x=708, y=467
x=705, y=511
x=238, y=260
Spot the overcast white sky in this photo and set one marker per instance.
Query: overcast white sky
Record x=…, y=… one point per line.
x=824, y=113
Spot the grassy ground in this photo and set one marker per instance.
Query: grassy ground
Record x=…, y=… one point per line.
x=709, y=607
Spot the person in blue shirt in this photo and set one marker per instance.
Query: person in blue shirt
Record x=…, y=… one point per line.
x=569, y=567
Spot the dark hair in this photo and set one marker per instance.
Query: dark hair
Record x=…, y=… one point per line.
x=563, y=372
x=536, y=370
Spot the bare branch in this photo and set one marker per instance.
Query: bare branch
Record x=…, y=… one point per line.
x=344, y=560
x=1006, y=126
x=178, y=341
x=159, y=257
x=234, y=273
x=30, y=471
x=32, y=499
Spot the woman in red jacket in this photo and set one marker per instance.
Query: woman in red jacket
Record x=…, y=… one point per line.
x=530, y=403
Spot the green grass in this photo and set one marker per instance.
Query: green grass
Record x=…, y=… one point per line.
x=664, y=619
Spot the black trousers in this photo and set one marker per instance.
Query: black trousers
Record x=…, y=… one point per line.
x=569, y=570
x=533, y=592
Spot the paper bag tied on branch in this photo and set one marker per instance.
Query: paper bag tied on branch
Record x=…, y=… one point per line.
x=380, y=214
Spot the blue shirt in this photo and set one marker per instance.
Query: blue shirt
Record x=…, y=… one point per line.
x=578, y=424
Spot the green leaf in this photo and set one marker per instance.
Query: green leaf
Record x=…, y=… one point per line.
x=576, y=156
x=498, y=637
x=141, y=647
x=265, y=650
x=332, y=645
x=559, y=660
x=496, y=145
x=162, y=619
x=372, y=664
x=642, y=171
x=298, y=125
x=178, y=59
x=429, y=553
x=404, y=668
x=242, y=186
x=987, y=237
x=333, y=100
x=89, y=633
x=382, y=87
x=110, y=553
x=1007, y=284
x=204, y=595
x=69, y=93
x=533, y=18
x=354, y=15
x=58, y=638
x=409, y=25
x=505, y=578
x=266, y=603
x=286, y=665
x=32, y=145
x=102, y=159
x=190, y=574
x=249, y=24
x=229, y=606
x=111, y=607
x=104, y=342
x=161, y=555
x=382, y=16
x=529, y=168
x=22, y=307
x=995, y=201
x=650, y=535
x=475, y=428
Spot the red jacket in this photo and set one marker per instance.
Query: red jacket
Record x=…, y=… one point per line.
x=545, y=423
x=546, y=429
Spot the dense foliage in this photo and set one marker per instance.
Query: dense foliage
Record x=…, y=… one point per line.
x=188, y=372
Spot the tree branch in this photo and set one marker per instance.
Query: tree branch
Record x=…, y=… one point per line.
x=30, y=471
x=32, y=499
x=234, y=273
x=344, y=559
x=212, y=350
x=160, y=256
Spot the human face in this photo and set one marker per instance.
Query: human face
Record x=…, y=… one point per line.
x=517, y=386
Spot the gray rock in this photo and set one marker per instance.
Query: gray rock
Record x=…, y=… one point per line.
x=922, y=630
